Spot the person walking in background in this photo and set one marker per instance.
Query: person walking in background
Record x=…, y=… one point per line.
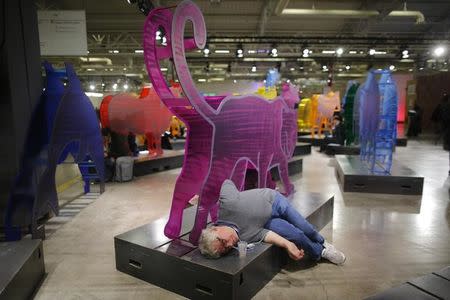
x=437, y=117
x=445, y=122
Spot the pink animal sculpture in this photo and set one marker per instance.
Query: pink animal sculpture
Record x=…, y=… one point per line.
x=145, y=115
x=225, y=134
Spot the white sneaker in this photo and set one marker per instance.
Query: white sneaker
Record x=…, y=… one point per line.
x=330, y=253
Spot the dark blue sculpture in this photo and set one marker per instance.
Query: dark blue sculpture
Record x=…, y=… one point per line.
x=378, y=121
x=64, y=121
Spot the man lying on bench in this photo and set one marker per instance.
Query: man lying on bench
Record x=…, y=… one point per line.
x=263, y=215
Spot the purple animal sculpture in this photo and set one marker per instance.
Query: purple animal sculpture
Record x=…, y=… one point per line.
x=225, y=134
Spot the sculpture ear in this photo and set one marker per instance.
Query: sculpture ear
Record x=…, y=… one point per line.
x=48, y=67
x=74, y=82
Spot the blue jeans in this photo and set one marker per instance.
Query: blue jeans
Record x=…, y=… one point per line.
x=287, y=222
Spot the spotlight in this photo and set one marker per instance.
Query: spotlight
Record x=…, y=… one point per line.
x=439, y=51
x=347, y=67
x=339, y=51
x=125, y=86
x=405, y=53
x=392, y=67
x=145, y=6
x=239, y=51
x=274, y=51
x=206, y=51
x=114, y=86
x=372, y=52
x=254, y=68
x=92, y=87
x=306, y=52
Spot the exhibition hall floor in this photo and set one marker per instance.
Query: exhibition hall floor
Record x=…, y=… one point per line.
x=387, y=238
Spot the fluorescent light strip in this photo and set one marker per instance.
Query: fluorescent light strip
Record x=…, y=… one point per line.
x=201, y=80
x=138, y=51
x=222, y=51
x=328, y=51
x=92, y=94
x=352, y=52
x=251, y=51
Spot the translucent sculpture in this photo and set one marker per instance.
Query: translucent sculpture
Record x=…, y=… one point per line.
x=224, y=133
x=125, y=113
x=378, y=121
x=350, y=93
x=73, y=125
x=304, y=112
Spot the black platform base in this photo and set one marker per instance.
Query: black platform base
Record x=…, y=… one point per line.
x=295, y=166
x=334, y=149
x=302, y=149
x=316, y=141
x=354, y=176
x=178, y=266
x=432, y=286
x=21, y=268
x=171, y=159
x=401, y=141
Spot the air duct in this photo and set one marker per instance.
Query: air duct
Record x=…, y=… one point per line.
x=348, y=13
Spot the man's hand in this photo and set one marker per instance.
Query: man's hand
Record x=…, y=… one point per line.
x=291, y=248
x=294, y=252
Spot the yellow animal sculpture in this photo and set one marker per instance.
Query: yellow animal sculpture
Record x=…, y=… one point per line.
x=268, y=93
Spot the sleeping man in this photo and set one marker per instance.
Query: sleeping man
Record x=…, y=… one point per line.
x=263, y=215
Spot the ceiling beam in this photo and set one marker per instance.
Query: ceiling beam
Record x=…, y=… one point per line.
x=387, y=9
x=266, y=12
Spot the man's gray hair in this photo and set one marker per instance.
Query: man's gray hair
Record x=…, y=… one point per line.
x=207, y=241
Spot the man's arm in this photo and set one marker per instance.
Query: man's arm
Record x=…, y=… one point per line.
x=278, y=240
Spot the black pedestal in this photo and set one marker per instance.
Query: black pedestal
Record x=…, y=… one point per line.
x=316, y=141
x=401, y=141
x=178, y=266
x=171, y=159
x=354, y=176
x=295, y=166
x=432, y=286
x=302, y=149
x=334, y=149
x=21, y=268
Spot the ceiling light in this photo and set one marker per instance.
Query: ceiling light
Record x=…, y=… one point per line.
x=92, y=87
x=372, y=52
x=158, y=35
x=201, y=80
x=254, y=68
x=410, y=70
x=115, y=86
x=324, y=67
x=352, y=52
x=405, y=53
x=306, y=52
x=125, y=86
x=391, y=67
x=274, y=51
x=163, y=69
x=288, y=80
x=103, y=84
x=222, y=51
x=138, y=51
x=328, y=51
x=234, y=81
x=439, y=51
x=347, y=67
x=339, y=51
x=251, y=51
x=164, y=41
x=292, y=69
x=206, y=51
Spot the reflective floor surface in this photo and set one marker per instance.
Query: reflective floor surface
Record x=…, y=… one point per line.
x=387, y=238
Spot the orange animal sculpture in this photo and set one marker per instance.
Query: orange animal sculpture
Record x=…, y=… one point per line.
x=147, y=115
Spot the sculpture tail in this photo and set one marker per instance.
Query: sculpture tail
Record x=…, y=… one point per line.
x=188, y=11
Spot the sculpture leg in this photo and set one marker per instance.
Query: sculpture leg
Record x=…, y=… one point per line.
x=220, y=170
x=284, y=175
x=188, y=184
x=263, y=170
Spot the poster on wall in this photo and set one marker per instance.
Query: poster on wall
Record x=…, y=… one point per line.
x=62, y=32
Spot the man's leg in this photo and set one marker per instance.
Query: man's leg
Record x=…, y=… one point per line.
x=295, y=235
x=283, y=209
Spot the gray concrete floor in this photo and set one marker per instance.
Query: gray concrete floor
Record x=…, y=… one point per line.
x=387, y=238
